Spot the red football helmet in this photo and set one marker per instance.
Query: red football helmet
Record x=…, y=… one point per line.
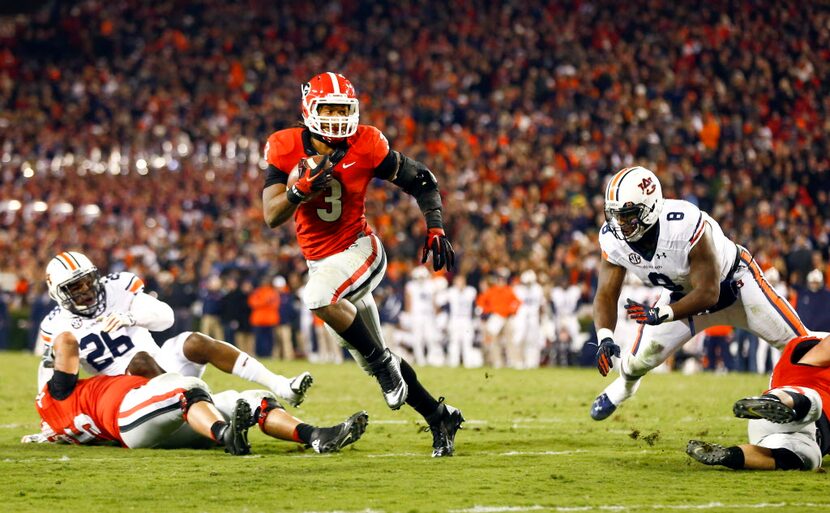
x=330, y=89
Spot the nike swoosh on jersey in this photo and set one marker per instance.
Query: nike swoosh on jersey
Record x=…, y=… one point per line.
x=350, y=164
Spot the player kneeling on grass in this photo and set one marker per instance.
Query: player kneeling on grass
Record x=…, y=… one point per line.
x=168, y=411
x=788, y=427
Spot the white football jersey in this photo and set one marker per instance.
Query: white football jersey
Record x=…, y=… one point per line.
x=461, y=302
x=531, y=296
x=421, y=294
x=565, y=299
x=103, y=353
x=681, y=226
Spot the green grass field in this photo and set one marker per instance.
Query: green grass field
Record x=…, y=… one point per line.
x=528, y=445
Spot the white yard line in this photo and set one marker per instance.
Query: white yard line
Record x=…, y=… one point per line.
x=344, y=511
x=681, y=507
x=536, y=453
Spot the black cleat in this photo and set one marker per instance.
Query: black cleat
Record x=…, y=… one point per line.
x=768, y=408
x=443, y=430
x=387, y=370
x=707, y=453
x=235, y=437
x=334, y=438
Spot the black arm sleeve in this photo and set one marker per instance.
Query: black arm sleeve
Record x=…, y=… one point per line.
x=418, y=181
x=62, y=385
x=388, y=166
x=274, y=175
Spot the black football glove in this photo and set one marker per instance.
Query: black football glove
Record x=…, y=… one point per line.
x=607, y=348
x=442, y=252
x=645, y=314
x=312, y=179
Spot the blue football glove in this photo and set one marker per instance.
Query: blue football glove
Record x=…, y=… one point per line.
x=644, y=314
x=607, y=348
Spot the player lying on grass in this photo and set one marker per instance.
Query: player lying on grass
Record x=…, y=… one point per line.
x=112, y=317
x=788, y=427
x=168, y=411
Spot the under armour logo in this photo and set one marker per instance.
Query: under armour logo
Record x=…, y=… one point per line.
x=661, y=255
x=647, y=186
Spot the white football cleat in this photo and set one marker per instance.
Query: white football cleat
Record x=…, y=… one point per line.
x=299, y=386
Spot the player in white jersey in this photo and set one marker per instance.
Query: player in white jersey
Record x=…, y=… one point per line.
x=527, y=340
x=421, y=312
x=707, y=280
x=565, y=300
x=111, y=317
x=461, y=304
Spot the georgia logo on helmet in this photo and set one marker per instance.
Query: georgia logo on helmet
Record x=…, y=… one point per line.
x=330, y=89
x=74, y=282
x=633, y=202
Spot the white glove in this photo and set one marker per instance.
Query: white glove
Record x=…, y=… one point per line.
x=35, y=438
x=117, y=320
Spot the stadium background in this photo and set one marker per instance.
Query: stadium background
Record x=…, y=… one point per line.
x=134, y=131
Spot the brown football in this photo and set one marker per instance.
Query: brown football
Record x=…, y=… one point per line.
x=294, y=175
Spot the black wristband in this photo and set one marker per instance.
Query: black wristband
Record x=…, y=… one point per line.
x=62, y=384
x=293, y=197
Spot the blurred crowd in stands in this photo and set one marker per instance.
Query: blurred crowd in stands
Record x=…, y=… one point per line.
x=133, y=132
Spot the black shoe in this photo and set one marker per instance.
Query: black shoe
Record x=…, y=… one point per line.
x=707, y=453
x=768, y=408
x=235, y=437
x=443, y=430
x=335, y=438
x=387, y=370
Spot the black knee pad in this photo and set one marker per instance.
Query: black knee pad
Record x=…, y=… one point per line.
x=193, y=396
x=785, y=459
x=265, y=407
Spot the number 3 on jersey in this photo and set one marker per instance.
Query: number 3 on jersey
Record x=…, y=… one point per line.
x=99, y=358
x=332, y=213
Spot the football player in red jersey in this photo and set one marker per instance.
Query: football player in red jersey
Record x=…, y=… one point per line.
x=137, y=412
x=788, y=427
x=346, y=261
x=93, y=410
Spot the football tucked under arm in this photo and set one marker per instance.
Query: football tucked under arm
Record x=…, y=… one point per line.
x=308, y=179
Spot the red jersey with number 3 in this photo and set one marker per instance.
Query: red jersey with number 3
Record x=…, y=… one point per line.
x=90, y=413
x=788, y=374
x=334, y=219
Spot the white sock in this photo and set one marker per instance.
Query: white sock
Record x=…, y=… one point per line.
x=248, y=367
x=621, y=389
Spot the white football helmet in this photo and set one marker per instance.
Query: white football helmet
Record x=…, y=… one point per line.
x=75, y=284
x=633, y=202
x=419, y=273
x=330, y=89
x=528, y=277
